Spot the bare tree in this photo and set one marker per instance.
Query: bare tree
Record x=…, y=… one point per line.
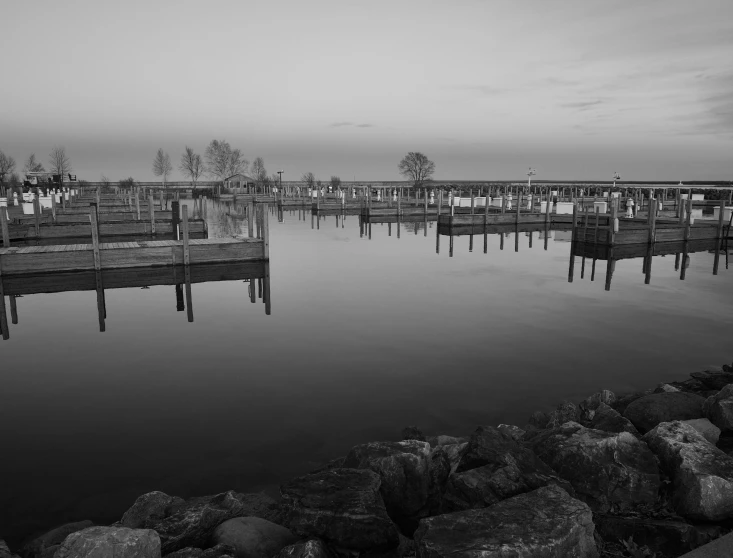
x=309, y=179
x=222, y=161
x=59, y=163
x=192, y=165
x=335, y=182
x=416, y=167
x=162, y=165
x=258, y=171
x=33, y=165
x=7, y=166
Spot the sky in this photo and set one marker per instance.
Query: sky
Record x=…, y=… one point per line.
x=577, y=89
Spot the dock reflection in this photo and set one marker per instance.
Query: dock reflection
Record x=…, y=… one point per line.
x=255, y=274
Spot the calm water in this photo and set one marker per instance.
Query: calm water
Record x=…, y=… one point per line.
x=365, y=337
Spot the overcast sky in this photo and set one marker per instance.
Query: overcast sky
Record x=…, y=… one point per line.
x=576, y=89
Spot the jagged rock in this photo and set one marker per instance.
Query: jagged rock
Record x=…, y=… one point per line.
x=253, y=537
x=494, y=467
x=719, y=408
x=539, y=420
x=691, y=385
x=313, y=548
x=439, y=468
x=565, y=412
x=444, y=440
x=218, y=551
x=412, y=433
x=342, y=506
x=454, y=453
x=666, y=388
x=514, y=431
x=5, y=551
x=545, y=523
x=706, y=428
x=648, y=411
x=604, y=468
x=404, y=470
x=714, y=377
x=149, y=507
x=192, y=523
x=333, y=464
x=605, y=396
x=47, y=544
x=609, y=420
x=664, y=536
x=623, y=401
x=106, y=542
x=702, y=474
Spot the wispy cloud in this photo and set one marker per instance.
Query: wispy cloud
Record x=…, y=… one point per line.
x=582, y=105
x=352, y=124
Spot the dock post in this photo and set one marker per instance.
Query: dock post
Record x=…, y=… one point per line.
x=548, y=206
x=267, y=295
x=612, y=224
x=609, y=269
x=266, y=230
x=151, y=209
x=719, y=236
x=688, y=220
x=519, y=205
x=101, y=305
x=399, y=202
x=93, y=218
x=187, y=279
x=175, y=218
x=648, y=270
x=653, y=224
x=251, y=217
x=13, y=310
x=53, y=207
x=472, y=201
x=426, y=203
x=137, y=202
x=37, y=215
x=3, y=313
x=503, y=201
x=4, y=225
x=186, y=251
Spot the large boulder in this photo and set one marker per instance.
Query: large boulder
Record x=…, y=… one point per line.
x=253, y=537
x=404, y=471
x=5, y=551
x=412, y=433
x=341, y=506
x=47, y=544
x=150, y=507
x=608, y=419
x=714, y=377
x=706, y=428
x=192, y=523
x=604, y=468
x=719, y=408
x=444, y=440
x=667, y=537
x=218, y=551
x=106, y=542
x=313, y=548
x=493, y=467
x=648, y=411
x=702, y=475
x=545, y=523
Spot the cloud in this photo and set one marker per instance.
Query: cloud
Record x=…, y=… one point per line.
x=342, y=124
x=582, y=105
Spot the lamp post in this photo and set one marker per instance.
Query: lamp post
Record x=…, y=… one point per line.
x=530, y=173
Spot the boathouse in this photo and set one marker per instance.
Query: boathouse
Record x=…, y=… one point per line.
x=238, y=180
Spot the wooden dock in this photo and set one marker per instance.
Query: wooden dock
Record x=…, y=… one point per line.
x=48, y=231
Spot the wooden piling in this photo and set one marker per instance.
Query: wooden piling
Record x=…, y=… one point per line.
x=719, y=239
x=4, y=225
x=151, y=210
x=101, y=306
x=175, y=218
x=187, y=279
x=53, y=207
x=688, y=220
x=137, y=203
x=186, y=248
x=472, y=201
x=13, y=310
x=37, y=215
x=266, y=230
x=3, y=313
x=93, y=217
x=549, y=205
x=251, y=219
x=653, y=223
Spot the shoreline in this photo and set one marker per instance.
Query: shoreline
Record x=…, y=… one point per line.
x=461, y=457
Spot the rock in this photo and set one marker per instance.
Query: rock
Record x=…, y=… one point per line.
x=665, y=388
x=609, y=420
x=308, y=549
x=623, y=401
x=218, y=551
x=5, y=551
x=454, y=453
x=106, y=542
x=443, y=440
x=702, y=475
x=565, y=412
x=149, y=507
x=663, y=536
x=605, y=396
x=192, y=523
x=706, y=428
x=719, y=408
x=403, y=468
x=412, y=433
x=714, y=378
x=604, y=468
x=47, y=544
x=494, y=467
x=545, y=523
x=333, y=464
x=692, y=385
x=342, y=506
x=253, y=537
x=439, y=469
x=539, y=420
x=648, y=411
x=514, y=432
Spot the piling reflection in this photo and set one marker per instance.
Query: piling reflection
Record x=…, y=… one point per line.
x=255, y=274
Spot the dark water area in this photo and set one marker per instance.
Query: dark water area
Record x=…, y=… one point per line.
x=365, y=336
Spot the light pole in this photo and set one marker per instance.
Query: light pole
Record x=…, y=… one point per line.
x=530, y=173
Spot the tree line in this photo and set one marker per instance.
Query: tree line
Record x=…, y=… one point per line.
x=58, y=163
